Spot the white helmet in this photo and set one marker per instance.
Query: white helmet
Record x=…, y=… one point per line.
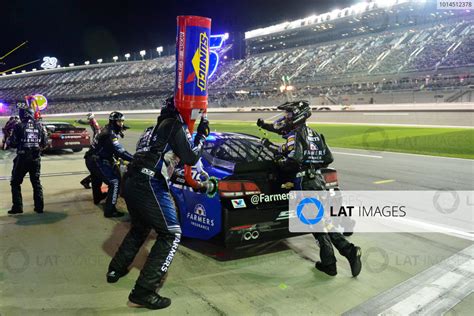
x=90, y=116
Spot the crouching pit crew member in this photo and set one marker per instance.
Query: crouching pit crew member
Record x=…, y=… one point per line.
x=150, y=204
x=101, y=162
x=303, y=153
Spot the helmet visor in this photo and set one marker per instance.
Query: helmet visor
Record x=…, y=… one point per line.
x=282, y=120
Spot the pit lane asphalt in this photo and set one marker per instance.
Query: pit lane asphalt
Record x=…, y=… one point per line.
x=55, y=263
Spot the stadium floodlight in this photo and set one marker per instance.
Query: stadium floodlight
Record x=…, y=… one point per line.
x=100, y=60
x=23, y=71
x=159, y=49
x=115, y=58
x=34, y=69
x=71, y=65
x=13, y=72
x=127, y=56
x=143, y=53
x=87, y=62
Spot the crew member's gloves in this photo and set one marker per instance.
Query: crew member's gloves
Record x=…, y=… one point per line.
x=260, y=122
x=121, y=134
x=202, y=131
x=203, y=127
x=125, y=127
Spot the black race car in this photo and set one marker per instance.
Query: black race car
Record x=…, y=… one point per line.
x=251, y=206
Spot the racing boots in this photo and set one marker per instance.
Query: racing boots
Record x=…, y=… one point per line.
x=15, y=211
x=329, y=269
x=145, y=298
x=86, y=182
x=354, y=260
x=114, y=275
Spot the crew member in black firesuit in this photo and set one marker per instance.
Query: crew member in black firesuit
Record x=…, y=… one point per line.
x=95, y=127
x=150, y=204
x=100, y=160
x=7, y=130
x=304, y=152
x=28, y=138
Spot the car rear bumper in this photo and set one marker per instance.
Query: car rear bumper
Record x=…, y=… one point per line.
x=255, y=225
x=67, y=144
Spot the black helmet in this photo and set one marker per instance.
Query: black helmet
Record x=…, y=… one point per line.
x=298, y=111
x=168, y=109
x=26, y=114
x=116, y=116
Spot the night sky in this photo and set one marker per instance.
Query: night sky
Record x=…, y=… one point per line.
x=78, y=30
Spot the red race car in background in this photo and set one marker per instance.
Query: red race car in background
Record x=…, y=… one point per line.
x=62, y=135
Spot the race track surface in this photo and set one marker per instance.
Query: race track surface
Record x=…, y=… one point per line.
x=55, y=263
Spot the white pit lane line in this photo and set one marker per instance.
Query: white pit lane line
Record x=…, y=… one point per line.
x=358, y=155
x=386, y=114
x=431, y=292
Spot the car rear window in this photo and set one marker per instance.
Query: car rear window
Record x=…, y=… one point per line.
x=236, y=149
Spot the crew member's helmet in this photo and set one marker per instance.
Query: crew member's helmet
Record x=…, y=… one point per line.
x=26, y=114
x=90, y=116
x=168, y=110
x=115, y=117
x=296, y=114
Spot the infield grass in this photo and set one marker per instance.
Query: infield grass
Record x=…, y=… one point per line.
x=436, y=141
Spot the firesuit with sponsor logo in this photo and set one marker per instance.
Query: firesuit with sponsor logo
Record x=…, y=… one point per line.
x=28, y=138
x=304, y=152
x=100, y=160
x=149, y=201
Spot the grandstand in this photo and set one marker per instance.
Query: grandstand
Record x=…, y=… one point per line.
x=406, y=52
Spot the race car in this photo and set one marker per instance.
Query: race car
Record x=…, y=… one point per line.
x=63, y=135
x=250, y=207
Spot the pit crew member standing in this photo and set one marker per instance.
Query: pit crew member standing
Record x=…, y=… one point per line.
x=100, y=160
x=150, y=204
x=304, y=152
x=28, y=138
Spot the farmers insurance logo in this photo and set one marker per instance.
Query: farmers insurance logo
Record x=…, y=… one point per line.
x=199, y=218
x=201, y=61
